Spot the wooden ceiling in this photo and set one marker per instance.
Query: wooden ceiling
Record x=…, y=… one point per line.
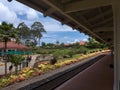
x=92, y=17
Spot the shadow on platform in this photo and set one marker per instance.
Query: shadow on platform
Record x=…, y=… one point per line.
x=99, y=76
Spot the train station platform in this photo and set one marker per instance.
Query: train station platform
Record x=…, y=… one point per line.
x=98, y=76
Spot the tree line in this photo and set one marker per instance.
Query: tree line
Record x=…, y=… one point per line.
x=29, y=36
x=21, y=34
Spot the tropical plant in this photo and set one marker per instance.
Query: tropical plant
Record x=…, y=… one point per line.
x=16, y=60
x=7, y=31
x=53, y=61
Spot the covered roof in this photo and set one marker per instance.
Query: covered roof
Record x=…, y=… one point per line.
x=92, y=17
x=14, y=45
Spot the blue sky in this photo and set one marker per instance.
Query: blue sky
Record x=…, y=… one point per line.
x=15, y=12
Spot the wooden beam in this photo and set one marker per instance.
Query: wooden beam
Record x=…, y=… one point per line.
x=64, y=1
x=54, y=5
x=82, y=18
x=108, y=37
x=103, y=29
x=65, y=21
x=86, y=21
x=102, y=22
x=49, y=11
x=85, y=5
x=100, y=15
x=75, y=27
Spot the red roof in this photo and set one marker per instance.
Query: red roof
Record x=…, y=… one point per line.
x=14, y=45
x=82, y=42
x=67, y=45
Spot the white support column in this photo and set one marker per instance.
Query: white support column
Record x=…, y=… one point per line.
x=116, y=10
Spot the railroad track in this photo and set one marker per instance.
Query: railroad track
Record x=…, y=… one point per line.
x=56, y=80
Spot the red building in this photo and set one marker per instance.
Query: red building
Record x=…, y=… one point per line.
x=13, y=46
x=82, y=43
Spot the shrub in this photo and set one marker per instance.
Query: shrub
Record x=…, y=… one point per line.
x=53, y=61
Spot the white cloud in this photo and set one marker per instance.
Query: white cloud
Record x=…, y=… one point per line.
x=15, y=6
x=76, y=40
x=55, y=26
x=7, y=15
x=65, y=37
x=69, y=42
x=9, y=12
x=54, y=41
x=85, y=39
x=46, y=36
x=32, y=15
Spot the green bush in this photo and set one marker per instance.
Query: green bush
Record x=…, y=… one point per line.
x=53, y=61
x=82, y=49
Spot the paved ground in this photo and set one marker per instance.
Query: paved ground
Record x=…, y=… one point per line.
x=99, y=76
x=2, y=68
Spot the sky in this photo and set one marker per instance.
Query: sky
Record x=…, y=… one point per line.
x=15, y=13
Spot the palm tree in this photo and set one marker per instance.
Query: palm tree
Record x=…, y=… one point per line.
x=7, y=31
x=16, y=60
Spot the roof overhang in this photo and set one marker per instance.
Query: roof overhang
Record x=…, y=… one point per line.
x=92, y=17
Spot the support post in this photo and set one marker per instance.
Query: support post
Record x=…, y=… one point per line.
x=116, y=13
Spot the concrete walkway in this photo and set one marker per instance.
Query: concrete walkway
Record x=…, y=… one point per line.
x=2, y=68
x=99, y=76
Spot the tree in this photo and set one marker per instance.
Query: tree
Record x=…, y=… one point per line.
x=57, y=42
x=30, y=35
x=43, y=44
x=36, y=30
x=7, y=31
x=62, y=45
x=77, y=45
x=27, y=42
x=23, y=32
x=16, y=60
x=92, y=43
